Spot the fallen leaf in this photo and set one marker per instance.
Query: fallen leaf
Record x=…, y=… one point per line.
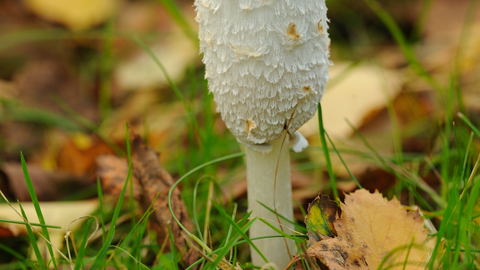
x=113, y=171
x=336, y=254
x=55, y=213
x=155, y=184
x=75, y=14
x=48, y=186
x=359, y=91
x=151, y=184
x=176, y=53
x=79, y=153
x=383, y=230
x=321, y=214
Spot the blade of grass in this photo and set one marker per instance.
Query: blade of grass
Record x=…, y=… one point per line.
x=12, y=111
x=33, y=241
x=472, y=126
x=467, y=156
x=83, y=246
x=471, y=204
x=100, y=202
x=401, y=173
x=297, y=227
x=36, y=205
x=421, y=22
x=399, y=37
x=194, y=207
x=208, y=210
x=240, y=231
x=171, y=83
x=461, y=226
x=283, y=234
x=180, y=19
x=138, y=242
x=89, y=125
x=172, y=246
x=465, y=38
x=31, y=224
x=447, y=214
x=142, y=222
x=202, y=244
x=106, y=69
x=100, y=259
x=343, y=162
x=325, y=152
x=22, y=263
x=230, y=228
x=139, y=263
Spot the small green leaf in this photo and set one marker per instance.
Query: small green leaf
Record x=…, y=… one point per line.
x=321, y=214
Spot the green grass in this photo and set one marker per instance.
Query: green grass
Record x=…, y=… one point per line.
x=221, y=230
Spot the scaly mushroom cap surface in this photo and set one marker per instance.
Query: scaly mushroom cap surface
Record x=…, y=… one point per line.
x=266, y=60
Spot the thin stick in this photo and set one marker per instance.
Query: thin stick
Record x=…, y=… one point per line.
x=275, y=179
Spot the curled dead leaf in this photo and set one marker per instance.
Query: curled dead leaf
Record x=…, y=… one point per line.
x=155, y=183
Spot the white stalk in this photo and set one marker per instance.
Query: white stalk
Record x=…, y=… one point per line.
x=261, y=169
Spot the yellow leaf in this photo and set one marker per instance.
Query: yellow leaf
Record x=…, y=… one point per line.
x=359, y=91
x=75, y=14
x=384, y=231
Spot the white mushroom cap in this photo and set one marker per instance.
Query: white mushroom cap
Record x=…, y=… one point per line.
x=265, y=60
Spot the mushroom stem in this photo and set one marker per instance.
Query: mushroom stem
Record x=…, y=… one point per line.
x=261, y=169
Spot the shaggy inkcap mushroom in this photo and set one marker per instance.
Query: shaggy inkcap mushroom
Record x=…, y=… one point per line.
x=266, y=60
x=267, y=65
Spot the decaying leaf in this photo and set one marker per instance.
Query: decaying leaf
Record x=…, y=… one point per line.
x=321, y=214
x=155, y=184
x=151, y=184
x=113, y=171
x=382, y=229
x=336, y=253
x=372, y=232
x=78, y=154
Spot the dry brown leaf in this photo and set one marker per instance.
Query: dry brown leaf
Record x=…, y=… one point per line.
x=382, y=228
x=151, y=184
x=48, y=186
x=113, y=171
x=155, y=184
x=338, y=254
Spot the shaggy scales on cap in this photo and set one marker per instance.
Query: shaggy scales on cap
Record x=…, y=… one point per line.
x=266, y=60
